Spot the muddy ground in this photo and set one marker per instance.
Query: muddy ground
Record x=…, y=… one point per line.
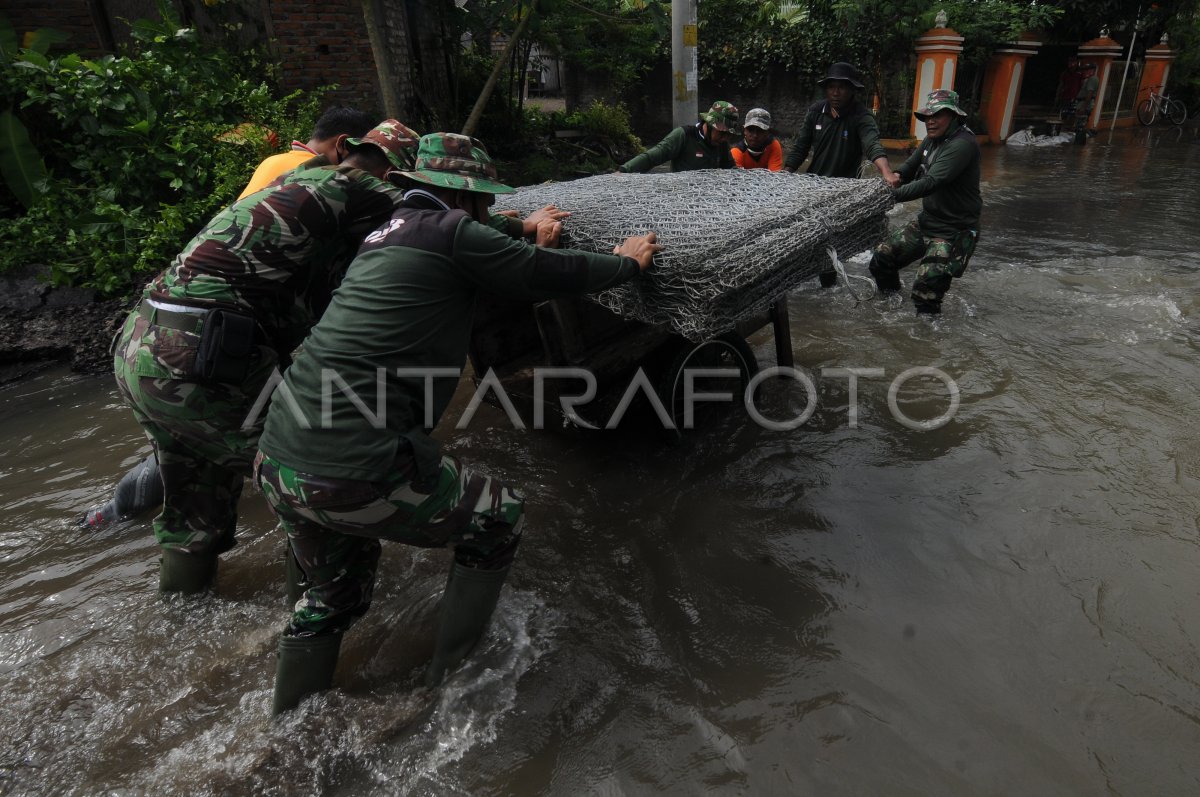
x=42, y=327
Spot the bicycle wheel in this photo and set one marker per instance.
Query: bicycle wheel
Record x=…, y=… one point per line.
x=1145, y=112
x=1176, y=112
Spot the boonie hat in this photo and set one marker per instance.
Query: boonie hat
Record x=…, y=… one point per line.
x=758, y=117
x=937, y=101
x=723, y=116
x=843, y=71
x=395, y=139
x=453, y=161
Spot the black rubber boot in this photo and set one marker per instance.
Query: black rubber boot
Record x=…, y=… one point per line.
x=467, y=605
x=139, y=490
x=306, y=665
x=886, y=282
x=297, y=582
x=186, y=573
x=828, y=279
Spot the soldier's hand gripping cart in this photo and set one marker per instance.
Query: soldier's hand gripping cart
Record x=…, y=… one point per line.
x=346, y=455
x=209, y=331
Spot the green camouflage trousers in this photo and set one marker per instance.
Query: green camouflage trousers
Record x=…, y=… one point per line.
x=335, y=525
x=941, y=262
x=204, y=454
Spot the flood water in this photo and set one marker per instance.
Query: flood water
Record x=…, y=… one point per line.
x=1009, y=604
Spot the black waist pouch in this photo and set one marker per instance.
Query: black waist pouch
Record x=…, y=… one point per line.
x=227, y=347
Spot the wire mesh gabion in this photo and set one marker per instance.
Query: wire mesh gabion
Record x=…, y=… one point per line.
x=734, y=240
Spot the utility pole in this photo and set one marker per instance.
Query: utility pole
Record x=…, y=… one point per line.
x=684, y=38
x=1137, y=24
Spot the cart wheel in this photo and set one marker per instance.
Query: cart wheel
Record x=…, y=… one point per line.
x=726, y=351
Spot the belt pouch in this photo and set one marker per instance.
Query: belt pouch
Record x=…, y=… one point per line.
x=227, y=347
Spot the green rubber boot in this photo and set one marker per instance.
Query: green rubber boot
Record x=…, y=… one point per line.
x=306, y=665
x=467, y=606
x=186, y=573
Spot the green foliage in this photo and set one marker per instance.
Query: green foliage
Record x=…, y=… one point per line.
x=21, y=165
x=1184, y=78
x=607, y=122
x=986, y=24
x=742, y=40
x=562, y=146
x=613, y=42
x=140, y=150
x=616, y=42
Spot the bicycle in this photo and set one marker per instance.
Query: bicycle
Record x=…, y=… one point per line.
x=1159, y=105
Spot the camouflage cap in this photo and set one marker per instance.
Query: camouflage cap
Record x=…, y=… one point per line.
x=395, y=139
x=453, y=161
x=939, y=100
x=723, y=116
x=758, y=117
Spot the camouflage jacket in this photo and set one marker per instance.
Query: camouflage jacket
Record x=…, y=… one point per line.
x=279, y=254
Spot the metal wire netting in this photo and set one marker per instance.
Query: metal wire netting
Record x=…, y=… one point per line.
x=734, y=240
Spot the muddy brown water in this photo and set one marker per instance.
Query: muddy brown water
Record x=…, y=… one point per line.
x=1006, y=605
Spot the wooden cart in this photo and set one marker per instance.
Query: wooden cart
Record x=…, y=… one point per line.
x=512, y=339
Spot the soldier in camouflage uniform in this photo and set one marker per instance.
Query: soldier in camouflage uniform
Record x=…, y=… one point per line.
x=141, y=488
x=704, y=145
x=209, y=331
x=346, y=456
x=945, y=171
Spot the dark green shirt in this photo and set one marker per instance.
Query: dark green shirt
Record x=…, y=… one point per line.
x=686, y=149
x=945, y=172
x=406, y=303
x=838, y=144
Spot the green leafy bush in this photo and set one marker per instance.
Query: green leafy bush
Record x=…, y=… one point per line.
x=610, y=122
x=563, y=146
x=139, y=150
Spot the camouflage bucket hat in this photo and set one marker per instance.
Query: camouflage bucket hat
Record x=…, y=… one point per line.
x=723, y=116
x=453, y=161
x=396, y=141
x=937, y=101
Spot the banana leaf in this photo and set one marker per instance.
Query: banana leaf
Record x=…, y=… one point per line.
x=21, y=165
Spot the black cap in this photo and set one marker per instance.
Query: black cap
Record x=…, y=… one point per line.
x=843, y=71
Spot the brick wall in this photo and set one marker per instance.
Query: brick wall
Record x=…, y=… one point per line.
x=322, y=44
x=316, y=45
x=70, y=16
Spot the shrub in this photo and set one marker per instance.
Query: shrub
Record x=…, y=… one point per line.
x=139, y=150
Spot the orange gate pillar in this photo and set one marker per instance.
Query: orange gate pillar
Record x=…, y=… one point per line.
x=1101, y=52
x=1002, y=85
x=1156, y=71
x=937, y=59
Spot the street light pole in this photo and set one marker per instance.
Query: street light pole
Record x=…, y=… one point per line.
x=684, y=39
